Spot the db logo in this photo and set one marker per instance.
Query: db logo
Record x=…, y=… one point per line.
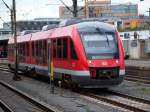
x=104, y=63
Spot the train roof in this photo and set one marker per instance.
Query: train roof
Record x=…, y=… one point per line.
x=81, y=25
x=41, y=35
x=20, y=39
x=85, y=22
x=92, y=25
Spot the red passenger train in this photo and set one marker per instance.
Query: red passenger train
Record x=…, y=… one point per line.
x=86, y=53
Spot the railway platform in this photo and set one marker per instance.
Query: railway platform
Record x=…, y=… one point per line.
x=138, y=67
x=145, y=63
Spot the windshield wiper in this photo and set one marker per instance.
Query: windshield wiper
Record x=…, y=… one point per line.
x=104, y=33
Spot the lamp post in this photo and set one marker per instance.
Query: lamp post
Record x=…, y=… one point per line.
x=50, y=68
x=75, y=6
x=15, y=77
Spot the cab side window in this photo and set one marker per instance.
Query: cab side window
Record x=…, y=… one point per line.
x=73, y=54
x=65, y=48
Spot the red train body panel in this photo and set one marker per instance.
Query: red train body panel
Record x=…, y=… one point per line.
x=89, y=53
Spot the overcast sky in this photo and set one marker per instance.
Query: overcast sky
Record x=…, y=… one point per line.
x=29, y=9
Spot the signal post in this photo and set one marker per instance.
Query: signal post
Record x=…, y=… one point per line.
x=50, y=68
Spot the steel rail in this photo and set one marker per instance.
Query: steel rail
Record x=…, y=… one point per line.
x=6, y=69
x=138, y=79
x=138, y=76
x=5, y=107
x=38, y=103
x=117, y=103
x=129, y=97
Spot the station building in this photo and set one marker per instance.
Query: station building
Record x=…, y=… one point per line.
x=101, y=8
x=126, y=14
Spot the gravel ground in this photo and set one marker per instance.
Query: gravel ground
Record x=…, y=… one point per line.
x=64, y=100
x=134, y=89
x=19, y=105
x=1, y=110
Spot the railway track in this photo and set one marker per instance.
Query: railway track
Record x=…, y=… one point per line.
x=5, y=68
x=121, y=100
x=39, y=104
x=140, y=79
x=5, y=107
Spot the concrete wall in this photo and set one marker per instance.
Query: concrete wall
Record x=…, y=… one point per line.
x=137, y=49
x=134, y=49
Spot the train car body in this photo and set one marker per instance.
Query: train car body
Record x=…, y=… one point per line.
x=89, y=54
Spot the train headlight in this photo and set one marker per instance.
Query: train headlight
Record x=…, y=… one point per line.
x=90, y=62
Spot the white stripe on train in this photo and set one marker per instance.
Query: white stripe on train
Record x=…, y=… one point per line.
x=66, y=71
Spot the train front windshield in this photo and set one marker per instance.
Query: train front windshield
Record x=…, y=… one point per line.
x=100, y=45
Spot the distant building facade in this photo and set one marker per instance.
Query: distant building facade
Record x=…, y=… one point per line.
x=101, y=8
x=35, y=24
x=65, y=13
x=124, y=10
x=95, y=8
x=98, y=8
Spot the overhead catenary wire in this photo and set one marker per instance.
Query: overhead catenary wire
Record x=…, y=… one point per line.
x=11, y=15
x=6, y=5
x=5, y=22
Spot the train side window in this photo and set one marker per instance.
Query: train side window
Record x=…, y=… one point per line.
x=44, y=51
x=33, y=49
x=59, y=48
x=8, y=49
x=27, y=49
x=18, y=49
x=54, y=48
x=40, y=48
x=65, y=48
x=23, y=49
x=72, y=51
x=36, y=44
